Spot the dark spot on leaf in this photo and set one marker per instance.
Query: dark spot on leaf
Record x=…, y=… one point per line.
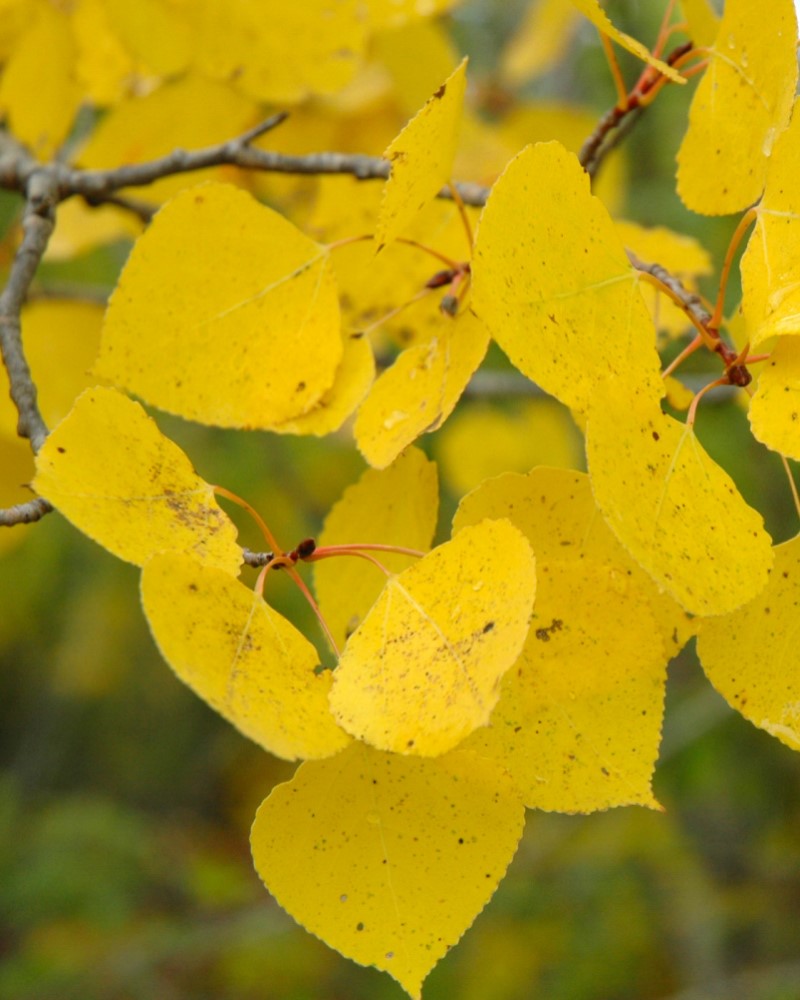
x=61, y=451
x=488, y=627
x=300, y=387
x=439, y=94
x=656, y=436
x=193, y=587
x=359, y=927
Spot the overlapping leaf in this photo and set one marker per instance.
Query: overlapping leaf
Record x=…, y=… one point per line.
x=111, y=472
x=775, y=408
x=770, y=273
x=741, y=105
x=422, y=157
x=397, y=506
x=675, y=510
x=240, y=656
x=752, y=657
x=225, y=313
x=388, y=858
x=598, y=17
x=423, y=669
x=420, y=390
x=578, y=724
x=556, y=511
x=553, y=283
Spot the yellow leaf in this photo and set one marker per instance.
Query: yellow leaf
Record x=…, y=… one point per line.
x=111, y=472
x=770, y=276
x=775, y=408
x=675, y=510
x=420, y=390
x=387, y=858
x=397, y=506
x=395, y=13
x=80, y=228
x=481, y=440
x=423, y=669
x=678, y=395
x=578, y=723
x=540, y=41
x=702, y=21
x=752, y=657
x=555, y=510
x=240, y=656
x=422, y=157
x=417, y=56
x=104, y=67
x=156, y=33
x=743, y=101
x=554, y=285
x=42, y=64
x=16, y=462
x=245, y=42
x=593, y=11
x=354, y=376
x=189, y=113
x=209, y=322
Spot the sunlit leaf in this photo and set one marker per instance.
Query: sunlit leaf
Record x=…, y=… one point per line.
x=598, y=17
x=555, y=510
x=240, y=656
x=209, y=322
x=775, y=408
x=675, y=510
x=702, y=21
x=388, y=858
x=578, y=724
x=110, y=471
x=397, y=506
x=752, y=657
x=553, y=282
x=41, y=123
x=422, y=157
x=423, y=669
x=420, y=390
x=741, y=105
x=770, y=282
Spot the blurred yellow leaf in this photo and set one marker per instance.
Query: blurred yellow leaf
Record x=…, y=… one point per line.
x=395, y=13
x=752, y=657
x=775, y=408
x=417, y=56
x=209, y=322
x=554, y=285
x=419, y=848
x=555, y=510
x=423, y=669
x=578, y=724
x=16, y=461
x=156, y=33
x=770, y=285
x=80, y=228
x=421, y=157
x=742, y=103
x=420, y=390
x=240, y=656
x=244, y=42
x=482, y=440
x=110, y=471
x=189, y=113
x=540, y=41
x=39, y=94
x=397, y=506
x=702, y=21
x=675, y=510
x=103, y=65
x=594, y=12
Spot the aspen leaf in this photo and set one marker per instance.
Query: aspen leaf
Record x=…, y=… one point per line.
x=209, y=322
x=594, y=12
x=155, y=32
x=578, y=723
x=420, y=390
x=110, y=471
x=396, y=506
x=240, y=656
x=554, y=284
x=743, y=101
x=675, y=510
x=770, y=285
x=417, y=56
x=774, y=411
x=419, y=848
x=752, y=657
x=423, y=669
x=540, y=41
x=555, y=510
x=702, y=21
x=422, y=157
x=42, y=123
x=394, y=13
x=102, y=64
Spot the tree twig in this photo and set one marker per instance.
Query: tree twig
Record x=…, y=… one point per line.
x=25, y=513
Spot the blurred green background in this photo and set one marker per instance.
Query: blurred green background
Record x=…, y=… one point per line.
x=125, y=803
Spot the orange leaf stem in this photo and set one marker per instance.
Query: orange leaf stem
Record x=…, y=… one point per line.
x=269, y=537
x=744, y=224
